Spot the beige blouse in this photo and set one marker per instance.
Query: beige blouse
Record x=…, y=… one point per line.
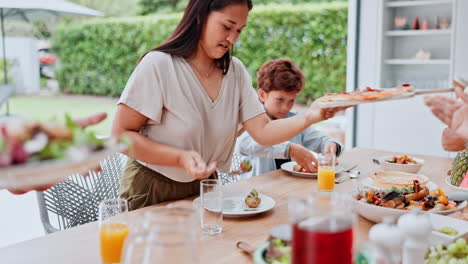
x=181, y=114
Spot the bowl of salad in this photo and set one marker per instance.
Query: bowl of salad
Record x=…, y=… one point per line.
x=402, y=163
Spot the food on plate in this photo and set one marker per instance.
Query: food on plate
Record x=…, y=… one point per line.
x=279, y=248
x=299, y=168
x=459, y=172
x=390, y=179
x=414, y=197
x=447, y=230
x=252, y=200
x=245, y=166
x=279, y=252
x=23, y=141
x=403, y=159
x=368, y=94
x=457, y=252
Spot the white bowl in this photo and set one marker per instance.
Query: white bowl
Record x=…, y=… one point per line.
x=447, y=180
x=410, y=168
x=439, y=221
x=376, y=213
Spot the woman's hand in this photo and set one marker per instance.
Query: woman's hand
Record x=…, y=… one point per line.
x=459, y=122
x=451, y=141
x=443, y=107
x=303, y=157
x=195, y=166
x=316, y=114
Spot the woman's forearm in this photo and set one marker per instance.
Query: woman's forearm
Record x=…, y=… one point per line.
x=268, y=132
x=152, y=152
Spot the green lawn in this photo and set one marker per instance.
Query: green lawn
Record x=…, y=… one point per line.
x=47, y=108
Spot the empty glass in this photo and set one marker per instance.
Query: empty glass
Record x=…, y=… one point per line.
x=211, y=207
x=113, y=229
x=167, y=235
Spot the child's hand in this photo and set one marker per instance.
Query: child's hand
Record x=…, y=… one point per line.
x=303, y=157
x=331, y=147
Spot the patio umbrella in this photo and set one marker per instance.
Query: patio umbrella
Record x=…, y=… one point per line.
x=33, y=10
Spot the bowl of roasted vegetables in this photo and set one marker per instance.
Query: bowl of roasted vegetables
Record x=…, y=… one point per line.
x=374, y=204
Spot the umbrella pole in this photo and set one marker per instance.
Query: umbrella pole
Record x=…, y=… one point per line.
x=5, y=70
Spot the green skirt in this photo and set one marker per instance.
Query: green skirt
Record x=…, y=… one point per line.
x=142, y=186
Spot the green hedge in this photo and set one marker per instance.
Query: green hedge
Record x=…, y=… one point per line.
x=98, y=56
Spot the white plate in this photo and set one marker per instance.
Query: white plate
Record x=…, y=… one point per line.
x=447, y=180
x=376, y=214
x=368, y=182
x=234, y=206
x=289, y=167
x=356, y=102
x=49, y=172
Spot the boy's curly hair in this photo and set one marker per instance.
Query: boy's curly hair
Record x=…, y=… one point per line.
x=280, y=75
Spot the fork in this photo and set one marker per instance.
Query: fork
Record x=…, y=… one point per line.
x=351, y=175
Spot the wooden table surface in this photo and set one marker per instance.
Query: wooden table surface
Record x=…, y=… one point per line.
x=81, y=244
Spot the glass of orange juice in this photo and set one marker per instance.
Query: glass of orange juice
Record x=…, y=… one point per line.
x=113, y=229
x=326, y=172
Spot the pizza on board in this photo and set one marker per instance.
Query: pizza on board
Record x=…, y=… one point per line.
x=368, y=94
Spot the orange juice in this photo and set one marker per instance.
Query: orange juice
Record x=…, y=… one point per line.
x=326, y=178
x=112, y=239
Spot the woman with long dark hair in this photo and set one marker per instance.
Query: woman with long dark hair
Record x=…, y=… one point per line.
x=183, y=103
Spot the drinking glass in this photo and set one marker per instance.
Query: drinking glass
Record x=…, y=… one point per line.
x=326, y=172
x=322, y=228
x=211, y=206
x=113, y=229
x=167, y=235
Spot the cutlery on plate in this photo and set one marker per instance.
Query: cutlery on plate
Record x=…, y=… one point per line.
x=245, y=247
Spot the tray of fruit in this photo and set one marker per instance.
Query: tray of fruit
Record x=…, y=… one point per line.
x=34, y=154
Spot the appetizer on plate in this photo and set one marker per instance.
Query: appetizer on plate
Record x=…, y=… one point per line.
x=408, y=198
x=252, y=200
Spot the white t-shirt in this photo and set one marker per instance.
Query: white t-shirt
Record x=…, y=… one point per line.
x=181, y=114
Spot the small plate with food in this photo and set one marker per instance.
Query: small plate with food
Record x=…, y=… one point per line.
x=402, y=163
x=297, y=170
x=374, y=204
x=240, y=205
x=386, y=180
x=36, y=153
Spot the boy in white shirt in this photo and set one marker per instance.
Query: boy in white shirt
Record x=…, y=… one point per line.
x=279, y=82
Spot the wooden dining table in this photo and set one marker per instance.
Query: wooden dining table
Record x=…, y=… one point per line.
x=81, y=244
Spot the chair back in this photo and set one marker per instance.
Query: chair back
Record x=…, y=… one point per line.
x=75, y=200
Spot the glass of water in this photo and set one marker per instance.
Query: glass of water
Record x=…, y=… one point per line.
x=211, y=206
